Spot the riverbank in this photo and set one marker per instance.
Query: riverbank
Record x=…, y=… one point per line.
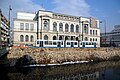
x=26, y=56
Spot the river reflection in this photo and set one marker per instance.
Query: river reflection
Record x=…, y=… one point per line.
x=92, y=71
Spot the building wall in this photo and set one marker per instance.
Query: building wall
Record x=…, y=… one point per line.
x=44, y=20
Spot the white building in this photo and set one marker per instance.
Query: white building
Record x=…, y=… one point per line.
x=48, y=25
x=25, y=28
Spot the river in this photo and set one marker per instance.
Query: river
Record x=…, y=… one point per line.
x=86, y=71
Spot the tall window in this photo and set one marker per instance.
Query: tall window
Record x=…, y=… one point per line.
x=60, y=27
x=96, y=32
x=45, y=25
x=45, y=37
x=21, y=38
x=96, y=39
x=72, y=28
x=66, y=27
x=26, y=38
x=26, y=26
x=31, y=27
x=93, y=32
x=90, y=32
x=54, y=26
x=93, y=39
x=31, y=38
x=21, y=26
x=77, y=28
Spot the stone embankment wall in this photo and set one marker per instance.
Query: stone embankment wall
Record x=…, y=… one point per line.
x=23, y=56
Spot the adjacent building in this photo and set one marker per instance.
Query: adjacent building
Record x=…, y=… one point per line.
x=4, y=27
x=47, y=25
x=111, y=38
x=25, y=28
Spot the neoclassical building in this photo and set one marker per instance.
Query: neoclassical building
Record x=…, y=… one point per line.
x=46, y=25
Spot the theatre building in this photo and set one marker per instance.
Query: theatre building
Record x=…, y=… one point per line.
x=47, y=25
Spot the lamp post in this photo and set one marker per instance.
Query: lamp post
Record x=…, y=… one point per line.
x=105, y=32
x=9, y=26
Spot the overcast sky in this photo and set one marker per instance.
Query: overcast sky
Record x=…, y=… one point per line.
x=108, y=10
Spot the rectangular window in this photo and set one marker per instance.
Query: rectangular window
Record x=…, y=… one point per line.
x=26, y=26
x=90, y=32
x=46, y=42
x=21, y=26
x=31, y=27
x=50, y=42
x=85, y=28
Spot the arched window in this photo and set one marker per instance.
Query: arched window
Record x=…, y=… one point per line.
x=54, y=38
x=60, y=27
x=31, y=38
x=72, y=28
x=66, y=37
x=86, y=39
x=26, y=38
x=77, y=28
x=21, y=38
x=45, y=25
x=66, y=27
x=54, y=26
x=77, y=38
x=60, y=38
x=45, y=37
x=96, y=39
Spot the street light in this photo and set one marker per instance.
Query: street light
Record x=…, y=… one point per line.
x=9, y=25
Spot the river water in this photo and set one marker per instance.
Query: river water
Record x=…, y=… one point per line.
x=85, y=71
